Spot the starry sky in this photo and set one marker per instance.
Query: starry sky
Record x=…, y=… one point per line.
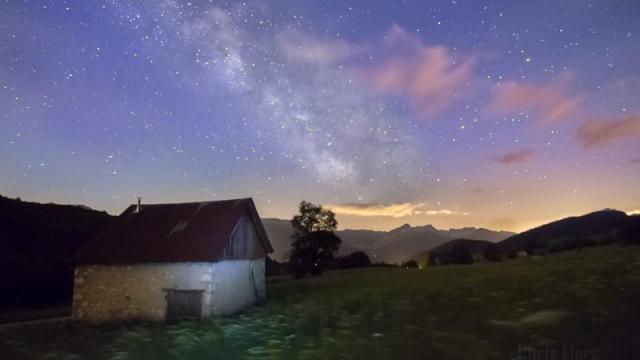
x=498, y=114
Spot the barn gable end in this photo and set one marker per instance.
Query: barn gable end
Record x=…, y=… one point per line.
x=244, y=242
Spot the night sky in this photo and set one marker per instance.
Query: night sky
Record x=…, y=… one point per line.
x=453, y=113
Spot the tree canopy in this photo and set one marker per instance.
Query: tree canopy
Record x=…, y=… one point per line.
x=313, y=217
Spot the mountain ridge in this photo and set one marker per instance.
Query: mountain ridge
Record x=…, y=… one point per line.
x=597, y=226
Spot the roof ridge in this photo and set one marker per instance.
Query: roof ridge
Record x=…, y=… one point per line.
x=195, y=202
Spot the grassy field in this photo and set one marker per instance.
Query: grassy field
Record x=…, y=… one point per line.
x=578, y=305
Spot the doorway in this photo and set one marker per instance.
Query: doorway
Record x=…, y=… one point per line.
x=184, y=304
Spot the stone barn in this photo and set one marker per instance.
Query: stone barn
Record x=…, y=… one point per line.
x=171, y=261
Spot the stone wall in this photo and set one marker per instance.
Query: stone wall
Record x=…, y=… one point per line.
x=127, y=292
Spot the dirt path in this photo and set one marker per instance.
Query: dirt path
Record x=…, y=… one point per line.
x=33, y=322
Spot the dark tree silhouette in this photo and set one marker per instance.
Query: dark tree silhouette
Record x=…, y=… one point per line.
x=631, y=235
x=315, y=243
x=531, y=246
x=312, y=252
x=460, y=254
x=358, y=259
x=434, y=259
x=273, y=267
x=491, y=253
x=411, y=264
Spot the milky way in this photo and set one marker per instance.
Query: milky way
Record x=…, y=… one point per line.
x=451, y=113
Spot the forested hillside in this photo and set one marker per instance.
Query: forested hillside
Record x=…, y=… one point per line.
x=36, y=241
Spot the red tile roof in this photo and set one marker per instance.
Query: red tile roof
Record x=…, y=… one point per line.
x=183, y=232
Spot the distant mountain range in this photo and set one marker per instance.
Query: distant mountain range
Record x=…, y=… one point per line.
x=393, y=246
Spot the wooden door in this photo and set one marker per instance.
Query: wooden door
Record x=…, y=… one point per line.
x=184, y=304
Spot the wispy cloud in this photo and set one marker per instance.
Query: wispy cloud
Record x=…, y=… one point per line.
x=550, y=102
x=596, y=133
x=391, y=210
x=428, y=76
x=440, y=212
x=516, y=157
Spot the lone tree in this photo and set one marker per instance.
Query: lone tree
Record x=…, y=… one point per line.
x=314, y=240
x=460, y=254
x=491, y=253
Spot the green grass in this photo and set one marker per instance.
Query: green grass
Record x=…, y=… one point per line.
x=587, y=302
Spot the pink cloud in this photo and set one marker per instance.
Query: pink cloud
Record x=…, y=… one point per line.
x=595, y=133
x=427, y=75
x=516, y=157
x=550, y=102
x=398, y=38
